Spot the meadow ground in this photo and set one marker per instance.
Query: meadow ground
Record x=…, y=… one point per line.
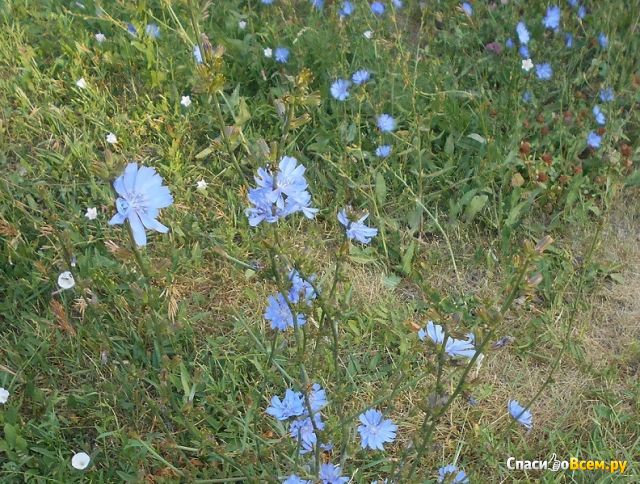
x=159, y=361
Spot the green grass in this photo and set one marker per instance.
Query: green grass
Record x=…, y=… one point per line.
x=165, y=377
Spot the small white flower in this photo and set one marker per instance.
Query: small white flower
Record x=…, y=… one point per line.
x=368, y=34
x=92, y=213
x=242, y=24
x=80, y=461
x=4, y=395
x=201, y=185
x=65, y=280
x=100, y=37
x=185, y=101
x=112, y=138
x=81, y=83
x=527, y=65
x=268, y=52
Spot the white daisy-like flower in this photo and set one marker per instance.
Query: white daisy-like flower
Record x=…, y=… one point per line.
x=112, y=138
x=201, y=185
x=4, y=395
x=242, y=24
x=100, y=37
x=185, y=101
x=92, y=213
x=80, y=461
x=268, y=52
x=66, y=280
x=527, y=65
x=81, y=83
x=368, y=34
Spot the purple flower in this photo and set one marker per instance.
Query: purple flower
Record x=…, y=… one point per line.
x=281, y=55
x=360, y=77
x=552, y=18
x=292, y=405
x=568, y=37
x=357, y=230
x=375, y=431
x=599, y=115
x=383, y=151
x=467, y=8
x=279, y=314
x=330, y=474
x=141, y=196
x=377, y=8
x=452, y=475
x=594, y=140
x=346, y=9
x=386, y=123
x=520, y=414
x=544, y=71
x=340, y=89
x=603, y=40
x=523, y=33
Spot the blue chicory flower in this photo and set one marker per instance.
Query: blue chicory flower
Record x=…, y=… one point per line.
x=141, y=196
x=603, y=40
x=524, y=52
x=582, y=12
x=599, y=116
x=509, y=43
x=317, y=398
x=301, y=289
x=317, y=4
x=266, y=2
x=607, y=95
x=360, y=76
x=292, y=405
x=397, y=4
x=523, y=33
x=280, y=194
x=467, y=8
x=386, y=123
x=152, y=30
x=572, y=3
x=377, y=8
x=451, y=474
x=340, y=89
x=330, y=474
x=279, y=314
x=594, y=140
x=346, y=9
x=552, y=18
x=527, y=96
x=375, y=431
x=568, y=38
x=520, y=414
x=281, y=55
x=383, y=151
x=293, y=479
x=302, y=431
x=197, y=55
x=357, y=230
x=544, y=71
x=132, y=29
x=453, y=347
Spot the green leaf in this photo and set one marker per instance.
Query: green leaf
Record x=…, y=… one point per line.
x=381, y=189
x=473, y=208
x=449, y=145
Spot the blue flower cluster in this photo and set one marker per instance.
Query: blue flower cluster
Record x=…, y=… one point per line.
x=280, y=194
x=279, y=311
x=293, y=408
